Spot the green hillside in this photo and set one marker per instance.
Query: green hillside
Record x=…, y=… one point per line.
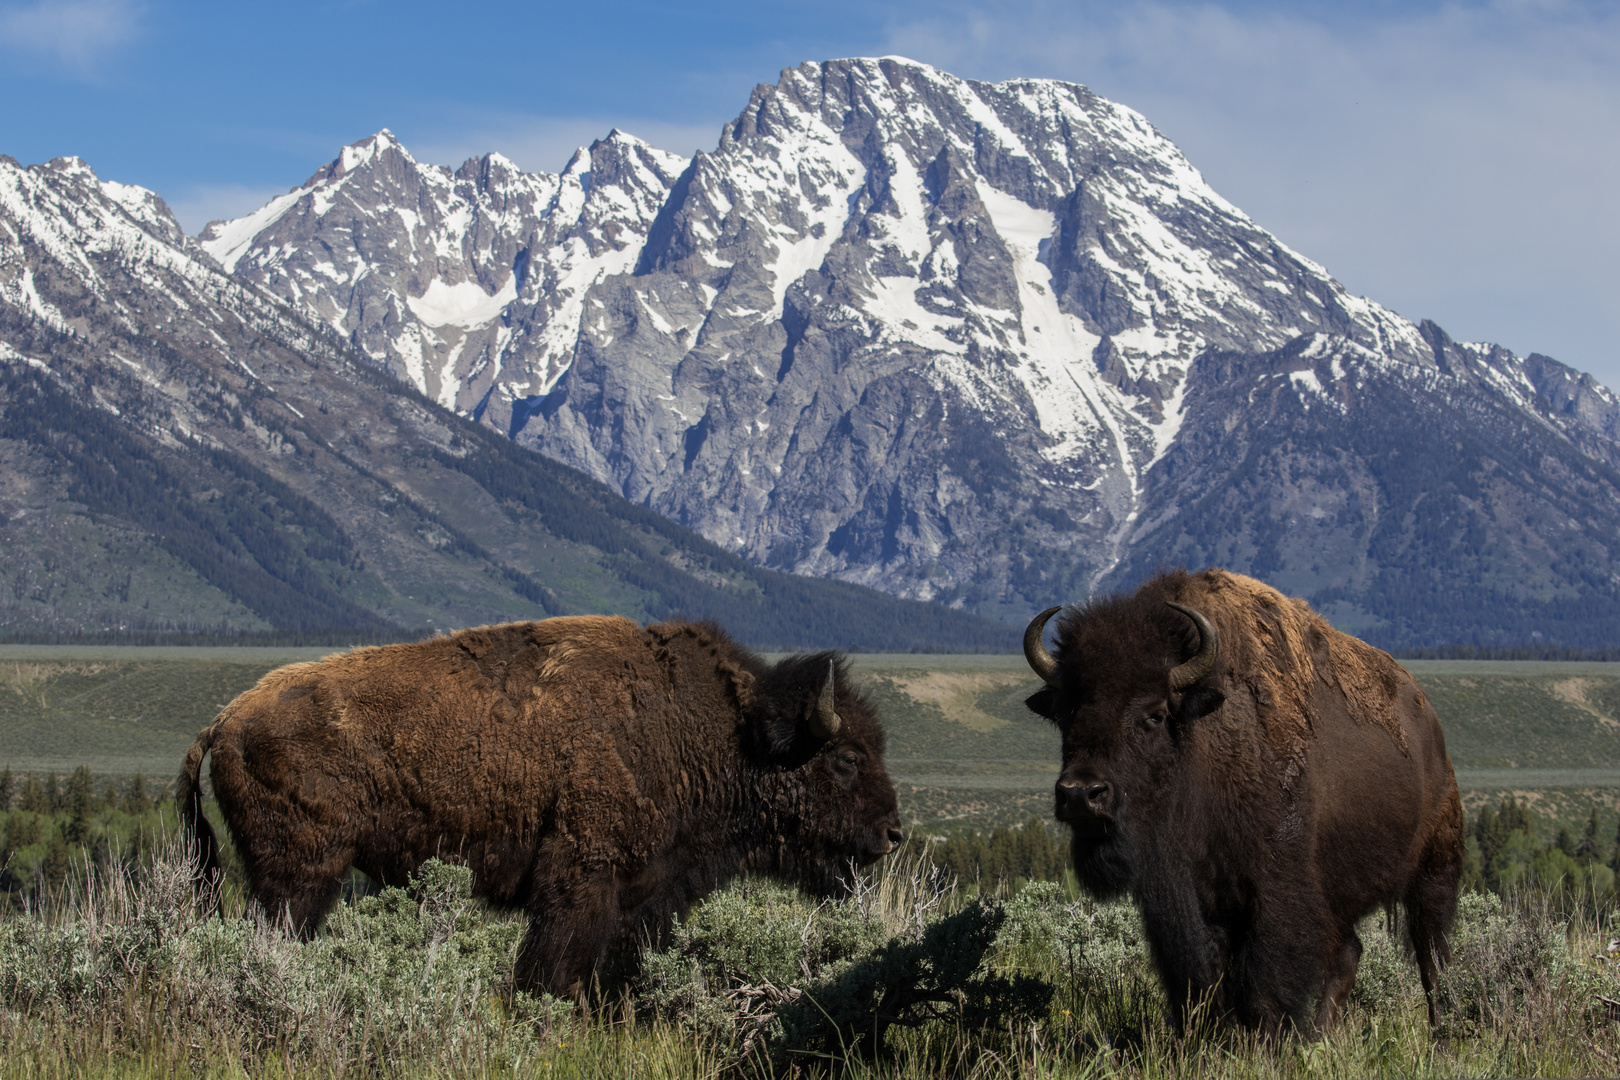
x=366, y=510
x=962, y=747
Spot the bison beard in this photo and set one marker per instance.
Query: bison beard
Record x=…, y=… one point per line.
x=1258, y=782
x=600, y=775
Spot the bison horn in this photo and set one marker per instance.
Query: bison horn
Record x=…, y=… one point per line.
x=1209, y=646
x=824, y=724
x=1042, y=661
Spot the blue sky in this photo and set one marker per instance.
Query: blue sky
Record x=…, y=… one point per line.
x=1453, y=161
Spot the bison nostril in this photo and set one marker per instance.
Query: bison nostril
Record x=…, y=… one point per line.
x=1083, y=799
x=896, y=837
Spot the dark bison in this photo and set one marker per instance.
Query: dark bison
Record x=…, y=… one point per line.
x=1257, y=782
x=601, y=775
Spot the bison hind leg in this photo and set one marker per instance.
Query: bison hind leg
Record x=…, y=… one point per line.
x=1431, y=905
x=303, y=900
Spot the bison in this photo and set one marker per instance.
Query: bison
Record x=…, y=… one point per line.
x=600, y=775
x=1257, y=782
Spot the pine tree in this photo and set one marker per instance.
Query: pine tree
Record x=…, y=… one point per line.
x=22, y=830
x=1614, y=859
x=53, y=794
x=81, y=801
x=53, y=869
x=33, y=796
x=1491, y=832
x=137, y=802
x=1516, y=816
x=1587, y=850
x=5, y=789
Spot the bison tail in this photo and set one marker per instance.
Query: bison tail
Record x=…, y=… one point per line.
x=202, y=844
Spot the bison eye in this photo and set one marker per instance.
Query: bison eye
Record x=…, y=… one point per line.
x=1157, y=716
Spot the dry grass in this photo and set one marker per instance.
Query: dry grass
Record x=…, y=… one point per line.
x=120, y=976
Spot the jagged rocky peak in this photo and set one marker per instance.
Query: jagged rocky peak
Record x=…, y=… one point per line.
x=61, y=225
x=435, y=273
x=1038, y=262
x=986, y=343
x=71, y=184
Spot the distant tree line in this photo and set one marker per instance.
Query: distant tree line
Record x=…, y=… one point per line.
x=51, y=828
x=1037, y=850
x=1508, y=652
x=1508, y=857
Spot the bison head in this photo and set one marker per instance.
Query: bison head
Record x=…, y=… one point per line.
x=1130, y=679
x=821, y=748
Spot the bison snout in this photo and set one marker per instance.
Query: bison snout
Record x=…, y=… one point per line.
x=1084, y=800
x=885, y=838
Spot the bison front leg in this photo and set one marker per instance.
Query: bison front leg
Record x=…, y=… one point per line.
x=1189, y=952
x=1278, y=964
x=1341, y=977
x=570, y=931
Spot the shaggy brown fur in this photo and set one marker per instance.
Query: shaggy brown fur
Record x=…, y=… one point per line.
x=1260, y=813
x=601, y=775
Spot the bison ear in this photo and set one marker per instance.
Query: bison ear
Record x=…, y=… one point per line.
x=1199, y=702
x=1043, y=702
x=778, y=733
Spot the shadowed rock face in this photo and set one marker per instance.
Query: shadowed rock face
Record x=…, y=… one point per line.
x=988, y=344
x=181, y=450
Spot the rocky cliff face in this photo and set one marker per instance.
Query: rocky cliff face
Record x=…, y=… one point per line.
x=460, y=283
x=988, y=344
x=181, y=450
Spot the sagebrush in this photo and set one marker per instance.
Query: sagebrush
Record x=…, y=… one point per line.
x=912, y=975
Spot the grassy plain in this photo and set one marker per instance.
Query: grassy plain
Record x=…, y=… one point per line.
x=963, y=749
x=911, y=978
x=132, y=983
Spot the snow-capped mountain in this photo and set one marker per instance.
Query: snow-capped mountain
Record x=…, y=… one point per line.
x=181, y=450
x=997, y=345
x=461, y=283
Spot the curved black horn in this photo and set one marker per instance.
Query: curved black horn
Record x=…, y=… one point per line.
x=1042, y=661
x=1209, y=647
x=825, y=721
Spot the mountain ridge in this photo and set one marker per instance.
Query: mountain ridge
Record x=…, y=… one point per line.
x=182, y=449
x=976, y=343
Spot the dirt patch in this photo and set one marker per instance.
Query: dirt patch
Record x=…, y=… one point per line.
x=957, y=694
x=1576, y=692
x=25, y=677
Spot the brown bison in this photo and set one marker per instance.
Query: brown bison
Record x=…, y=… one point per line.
x=1257, y=782
x=601, y=775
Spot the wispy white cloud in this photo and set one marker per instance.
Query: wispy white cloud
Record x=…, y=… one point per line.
x=1457, y=162
x=77, y=36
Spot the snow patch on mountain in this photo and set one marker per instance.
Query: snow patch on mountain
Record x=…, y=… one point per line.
x=464, y=304
x=897, y=327
x=228, y=241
